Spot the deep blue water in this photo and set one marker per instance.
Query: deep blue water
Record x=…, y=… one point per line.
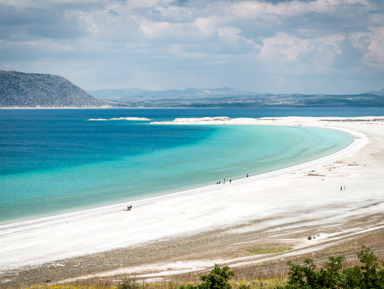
x=57, y=160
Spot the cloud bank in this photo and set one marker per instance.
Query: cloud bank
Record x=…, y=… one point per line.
x=322, y=46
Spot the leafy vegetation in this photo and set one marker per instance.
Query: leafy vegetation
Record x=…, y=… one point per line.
x=332, y=275
x=217, y=279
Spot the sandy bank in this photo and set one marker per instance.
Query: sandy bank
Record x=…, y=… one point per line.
x=278, y=207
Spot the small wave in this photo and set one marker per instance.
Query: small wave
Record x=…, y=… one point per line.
x=121, y=118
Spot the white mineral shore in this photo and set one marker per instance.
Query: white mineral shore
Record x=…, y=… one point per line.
x=121, y=118
x=312, y=187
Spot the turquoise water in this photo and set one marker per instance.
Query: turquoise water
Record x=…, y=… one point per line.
x=58, y=161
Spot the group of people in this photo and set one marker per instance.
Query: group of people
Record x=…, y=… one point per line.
x=219, y=182
x=230, y=180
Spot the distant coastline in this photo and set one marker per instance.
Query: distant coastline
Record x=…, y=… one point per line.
x=20, y=90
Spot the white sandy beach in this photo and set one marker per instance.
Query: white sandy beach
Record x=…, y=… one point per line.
x=307, y=193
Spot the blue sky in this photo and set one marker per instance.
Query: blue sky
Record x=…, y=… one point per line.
x=319, y=46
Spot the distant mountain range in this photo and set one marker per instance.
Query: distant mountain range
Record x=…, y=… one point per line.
x=19, y=89
x=135, y=94
x=378, y=93
x=229, y=97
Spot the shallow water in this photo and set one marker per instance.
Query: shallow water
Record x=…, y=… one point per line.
x=55, y=161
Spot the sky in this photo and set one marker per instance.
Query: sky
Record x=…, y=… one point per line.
x=299, y=46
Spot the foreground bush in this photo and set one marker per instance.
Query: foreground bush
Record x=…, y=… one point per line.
x=217, y=279
x=332, y=275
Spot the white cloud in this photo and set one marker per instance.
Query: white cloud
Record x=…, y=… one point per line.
x=228, y=32
x=171, y=14
x=283, y=47
x=375, y=50
x=199, y=29
x=311, y=54
x=206, y=26
x=134, y=4
x=267, y=39
x=153, y=29
x=85, y=21
x=253, y=9
x=371, y=44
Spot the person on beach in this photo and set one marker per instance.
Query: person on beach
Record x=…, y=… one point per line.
x=129, y=208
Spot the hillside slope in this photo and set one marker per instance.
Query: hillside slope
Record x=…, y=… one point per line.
x=19, y=89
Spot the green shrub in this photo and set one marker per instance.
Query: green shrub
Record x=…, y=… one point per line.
x=332, y=275
x=217, y=279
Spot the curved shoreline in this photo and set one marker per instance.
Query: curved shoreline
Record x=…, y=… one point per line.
x=68, y=215
x=235, y=166
x=179, y=214
x=185, y=121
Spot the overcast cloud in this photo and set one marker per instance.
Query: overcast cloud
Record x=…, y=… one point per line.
x=320, y=46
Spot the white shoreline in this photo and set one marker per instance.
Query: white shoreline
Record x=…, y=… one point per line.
x=120, y=118
x=48, y=239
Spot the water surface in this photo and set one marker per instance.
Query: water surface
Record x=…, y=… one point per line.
x=55, y=161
